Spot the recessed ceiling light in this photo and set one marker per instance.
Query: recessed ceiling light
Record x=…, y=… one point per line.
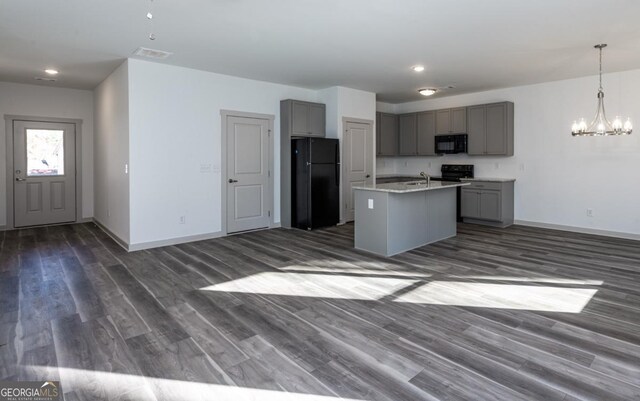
x=427, y=91
x=418, y=68
x=51, y=71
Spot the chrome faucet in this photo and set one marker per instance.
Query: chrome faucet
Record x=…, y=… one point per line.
x=426, y=177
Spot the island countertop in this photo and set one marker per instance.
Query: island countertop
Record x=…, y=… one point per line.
x=413, y=186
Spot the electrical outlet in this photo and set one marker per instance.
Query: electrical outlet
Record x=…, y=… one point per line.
x=590, y=212
x=406, y=163
x=497, y=165
x=521, y=166
x=183, y=219
x=429, y=164
x=108, y=213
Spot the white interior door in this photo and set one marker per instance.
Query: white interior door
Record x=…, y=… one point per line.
x=248, y=189
x=357, y=162
x=44, y=167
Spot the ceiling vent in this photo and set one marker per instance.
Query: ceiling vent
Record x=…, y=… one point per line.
x=151, y=53
x=47, y=79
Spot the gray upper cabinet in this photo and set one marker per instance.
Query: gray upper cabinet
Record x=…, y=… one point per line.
x=386, y=134
x=426, y=132
x=451, y=121
x=490, y=129
x=306, y=118
x=407, y=144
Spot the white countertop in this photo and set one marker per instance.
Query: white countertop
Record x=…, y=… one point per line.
x=488, y=179
x=402, y=187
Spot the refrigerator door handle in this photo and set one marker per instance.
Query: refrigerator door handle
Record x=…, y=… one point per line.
x=337, y=164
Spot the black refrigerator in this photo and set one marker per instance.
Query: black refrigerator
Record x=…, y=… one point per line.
x=315, y=182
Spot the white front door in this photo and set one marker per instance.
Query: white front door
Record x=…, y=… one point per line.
x=248, y=189
x=357, y=161
x=44, y=171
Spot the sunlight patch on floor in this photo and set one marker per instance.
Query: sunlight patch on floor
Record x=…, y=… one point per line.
x=349, y=269
x=112, y=386
x=550, y=280
x=314, y=285
x=505, y=296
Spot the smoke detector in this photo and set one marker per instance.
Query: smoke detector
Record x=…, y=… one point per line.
x=152, y=53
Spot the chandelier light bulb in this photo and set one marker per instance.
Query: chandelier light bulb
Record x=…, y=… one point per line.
x=575, y=128
x=627, y=126
x=582, y=127
x=617, y=124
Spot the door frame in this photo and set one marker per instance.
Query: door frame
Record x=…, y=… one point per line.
x=343, y=177
x=9, y=123
x=224, y=114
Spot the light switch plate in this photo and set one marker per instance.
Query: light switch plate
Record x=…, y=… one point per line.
x=370, y=203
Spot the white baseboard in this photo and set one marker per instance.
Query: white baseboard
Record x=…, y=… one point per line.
x=582, y=230
x=173, y=241
x=114, y=237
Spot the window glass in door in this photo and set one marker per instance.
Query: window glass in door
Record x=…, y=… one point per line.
x=45, y=152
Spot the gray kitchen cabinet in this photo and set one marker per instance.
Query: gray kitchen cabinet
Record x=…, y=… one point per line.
x=488, y=203
x=426, y=132
x=451, y=121
x=297, y=118
x=490, y=129
x=305, y=118
x=386, y=134
x=407, y=143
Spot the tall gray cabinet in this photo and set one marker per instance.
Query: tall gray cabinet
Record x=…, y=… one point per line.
x=490, y=129
x=297, y=118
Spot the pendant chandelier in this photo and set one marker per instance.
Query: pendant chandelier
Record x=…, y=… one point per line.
x=600, y=126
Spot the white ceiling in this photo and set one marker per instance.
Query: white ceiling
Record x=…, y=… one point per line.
x=364, y=44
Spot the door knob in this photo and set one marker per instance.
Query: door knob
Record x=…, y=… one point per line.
x=20, y=179
x=368, y=176
x=231, y=181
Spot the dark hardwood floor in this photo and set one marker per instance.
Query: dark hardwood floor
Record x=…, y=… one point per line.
x=492, y=314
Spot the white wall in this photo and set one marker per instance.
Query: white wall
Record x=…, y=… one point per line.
x=558, y=176
x=112, y=153
x=45, y=101
x=175, y=127
x=346, y=102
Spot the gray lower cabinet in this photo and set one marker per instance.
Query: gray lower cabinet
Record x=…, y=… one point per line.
x=451, y=121
x=488, y=203
x=386, y=134
x=305, y=118
x=490, y=129
x=408, y=141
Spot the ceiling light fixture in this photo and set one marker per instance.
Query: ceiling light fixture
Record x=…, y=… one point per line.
x=427, y=91
x=51, y=71
x=600, y=126
x=418, y=68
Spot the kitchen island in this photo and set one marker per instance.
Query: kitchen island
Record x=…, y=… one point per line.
x=396, y=217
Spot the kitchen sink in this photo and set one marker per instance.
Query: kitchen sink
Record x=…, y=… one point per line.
x=415, y=183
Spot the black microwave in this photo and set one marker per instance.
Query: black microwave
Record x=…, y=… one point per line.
x=447, y=144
